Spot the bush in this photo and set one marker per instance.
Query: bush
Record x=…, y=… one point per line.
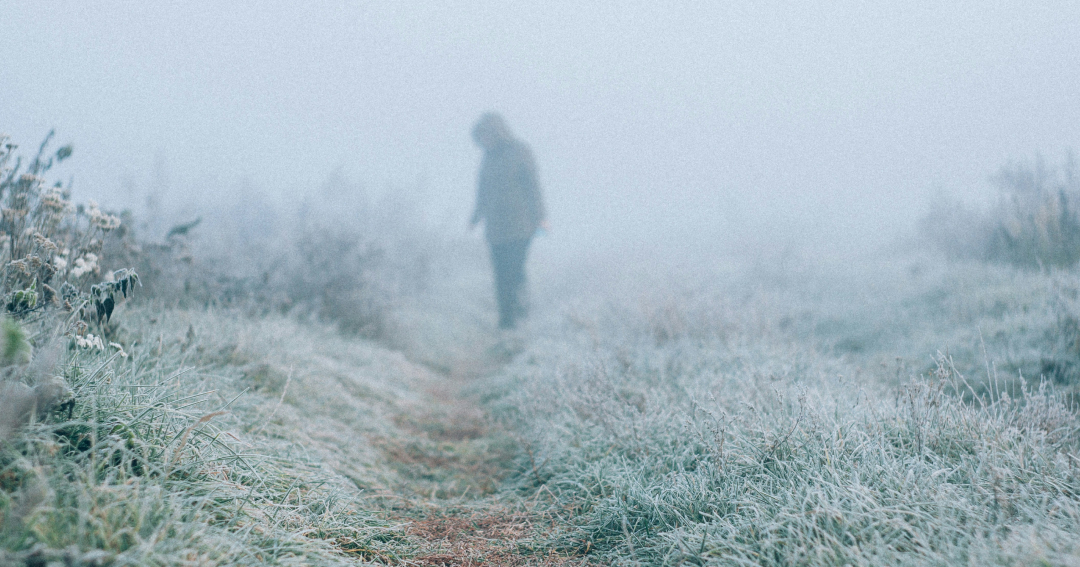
x=1034, y=224
x=1037, y=224
x=50, y=250
x=336, y=256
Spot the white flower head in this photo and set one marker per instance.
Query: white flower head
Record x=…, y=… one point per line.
x=99, y=219
x=89, y=341
x=85, y=264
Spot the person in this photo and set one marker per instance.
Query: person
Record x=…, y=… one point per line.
x=508, y=200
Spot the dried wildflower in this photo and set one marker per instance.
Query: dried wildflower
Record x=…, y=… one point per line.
x=60, y=263
x=30, y=179
x=44, y=242
x=99, y=219
x=105, y=222
x=85, y=264
x=13, y=215
x=22, y=264
x=49, y=295
x=89, y=341
x=53, y=200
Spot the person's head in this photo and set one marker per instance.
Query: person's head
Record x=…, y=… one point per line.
x=489, y=130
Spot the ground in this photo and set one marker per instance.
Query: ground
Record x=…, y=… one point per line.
x=406, y=427
x=749, y=420
x=451, y=469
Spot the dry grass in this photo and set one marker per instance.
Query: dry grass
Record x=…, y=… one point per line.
x=491, y=536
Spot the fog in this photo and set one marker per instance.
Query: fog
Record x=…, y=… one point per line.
x=664, y=125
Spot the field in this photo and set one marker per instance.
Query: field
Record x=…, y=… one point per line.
x=805, y=408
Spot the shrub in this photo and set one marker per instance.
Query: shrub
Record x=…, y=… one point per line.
x=1037, y=223
x=337, y=256
x=1034, y=224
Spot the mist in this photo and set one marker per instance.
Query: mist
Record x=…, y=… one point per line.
x=708, y=128
x=774, y=283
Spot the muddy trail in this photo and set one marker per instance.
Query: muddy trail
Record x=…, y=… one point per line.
x=450, y=466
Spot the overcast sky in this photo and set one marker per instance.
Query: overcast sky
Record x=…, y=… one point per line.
x=648, y=119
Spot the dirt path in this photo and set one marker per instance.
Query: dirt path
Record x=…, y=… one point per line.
x=403, y=430
x=452, y=467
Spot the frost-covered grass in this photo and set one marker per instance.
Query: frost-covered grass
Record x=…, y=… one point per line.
x=230, y=414
x=142, y=434
x=727, y=423
x=855, y=411
x=202, y=447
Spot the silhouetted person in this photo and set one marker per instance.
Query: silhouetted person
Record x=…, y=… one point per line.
x=508, y=201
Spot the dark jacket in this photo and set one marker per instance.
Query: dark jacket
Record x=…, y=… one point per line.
x=508, y=195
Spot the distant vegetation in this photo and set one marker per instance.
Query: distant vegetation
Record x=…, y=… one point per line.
x=1035, y=222
x=338, y=256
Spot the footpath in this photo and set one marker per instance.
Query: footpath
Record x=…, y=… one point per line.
x=450, y=469
x=406, y=427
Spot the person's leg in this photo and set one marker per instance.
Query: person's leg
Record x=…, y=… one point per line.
x=517, y=255
x=508, y=263
x=501, y=265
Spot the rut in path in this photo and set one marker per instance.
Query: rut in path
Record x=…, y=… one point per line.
x=452, y=468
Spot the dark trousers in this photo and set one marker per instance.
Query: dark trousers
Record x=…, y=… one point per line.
x=508, y=261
